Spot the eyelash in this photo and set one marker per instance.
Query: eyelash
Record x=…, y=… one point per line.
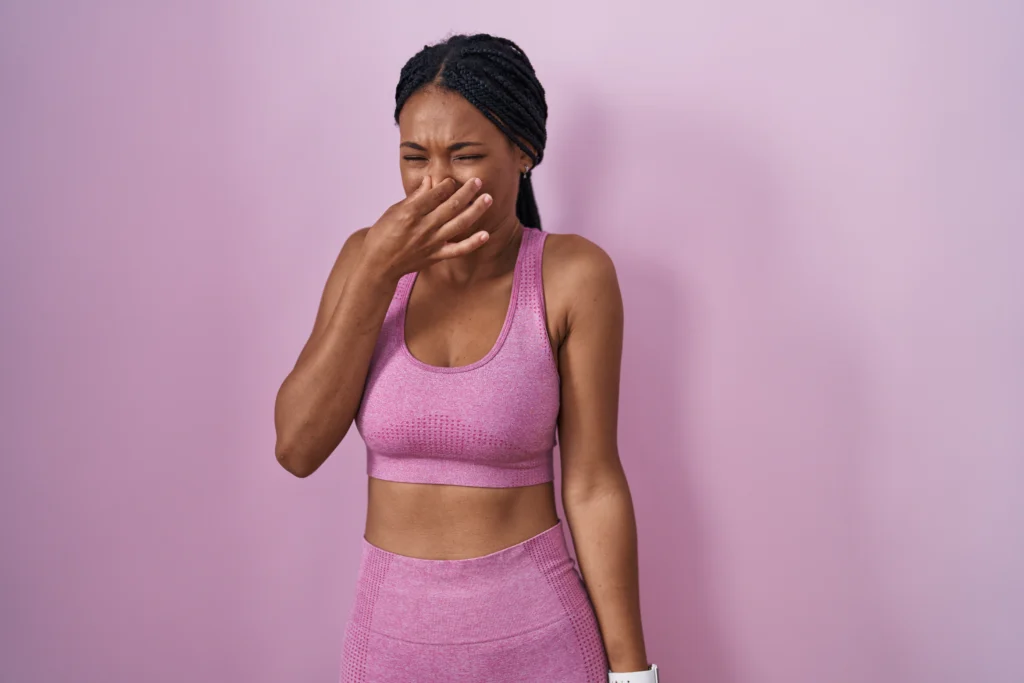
x=462, y=158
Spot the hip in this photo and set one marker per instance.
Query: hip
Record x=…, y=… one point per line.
x=520, y=610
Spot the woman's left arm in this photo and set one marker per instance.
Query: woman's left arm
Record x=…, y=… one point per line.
x=595, y=494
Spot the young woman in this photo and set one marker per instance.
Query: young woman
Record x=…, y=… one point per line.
x=457, y=337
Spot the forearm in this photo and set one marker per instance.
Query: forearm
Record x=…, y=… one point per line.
x=318, y=401
x=604, y=533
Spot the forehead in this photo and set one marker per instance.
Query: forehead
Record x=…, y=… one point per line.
x=444, y=116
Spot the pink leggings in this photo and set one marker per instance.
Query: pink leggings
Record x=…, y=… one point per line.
x=519, y=614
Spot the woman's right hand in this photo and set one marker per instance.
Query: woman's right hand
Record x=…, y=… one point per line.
x=415, y=232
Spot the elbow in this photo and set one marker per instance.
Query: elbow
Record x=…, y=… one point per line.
x=301, y=457
x=599, y=484
x=301, y=446
x=292, y=461
x=289, y=450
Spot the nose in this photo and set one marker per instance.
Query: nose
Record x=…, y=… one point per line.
x=439, y=170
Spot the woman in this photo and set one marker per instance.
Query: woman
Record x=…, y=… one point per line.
x=457, y=336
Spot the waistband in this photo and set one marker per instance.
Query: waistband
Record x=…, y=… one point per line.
x=535, y=468
x=506, y=593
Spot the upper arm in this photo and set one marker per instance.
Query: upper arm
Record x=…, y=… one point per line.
x=348, y=256
x=590, y=358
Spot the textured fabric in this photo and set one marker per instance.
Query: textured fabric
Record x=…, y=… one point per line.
x=519, y=614
x=490, y=423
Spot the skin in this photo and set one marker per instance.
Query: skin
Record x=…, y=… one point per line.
x=455, y=313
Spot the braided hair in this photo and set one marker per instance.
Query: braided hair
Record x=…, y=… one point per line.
x=496, y=77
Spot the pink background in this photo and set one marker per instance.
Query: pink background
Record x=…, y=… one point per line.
x=815, y=209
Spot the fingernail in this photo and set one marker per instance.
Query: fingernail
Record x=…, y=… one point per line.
x=478, y=182
x=487, y=199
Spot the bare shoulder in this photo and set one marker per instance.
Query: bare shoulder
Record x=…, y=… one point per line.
x=578, y=270
x=348, y=256
x=352, y=248
x=344, y=263
x=581, y=288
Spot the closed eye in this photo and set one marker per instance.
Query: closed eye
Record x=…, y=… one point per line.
x=467, y=157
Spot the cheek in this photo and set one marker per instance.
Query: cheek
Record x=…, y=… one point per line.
x=499, y=184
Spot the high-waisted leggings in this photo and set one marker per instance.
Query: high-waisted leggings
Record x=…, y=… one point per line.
x=519, y=614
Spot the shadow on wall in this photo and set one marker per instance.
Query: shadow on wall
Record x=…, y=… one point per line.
x=744, y=391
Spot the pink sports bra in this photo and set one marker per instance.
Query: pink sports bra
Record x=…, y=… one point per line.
x=490, y=423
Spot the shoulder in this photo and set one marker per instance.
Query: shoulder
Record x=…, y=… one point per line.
x=575, y=261
x=344, y=263
x=354, y=242
x=580, y=275
x=348, y=256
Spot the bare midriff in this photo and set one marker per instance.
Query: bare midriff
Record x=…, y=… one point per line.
x=445, y=522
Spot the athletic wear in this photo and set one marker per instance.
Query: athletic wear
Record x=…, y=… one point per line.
x=518, y=614
x=490, y=423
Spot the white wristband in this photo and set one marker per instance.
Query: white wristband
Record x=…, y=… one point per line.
x=647, y=676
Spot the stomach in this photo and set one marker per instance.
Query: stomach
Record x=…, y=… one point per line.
x=445, y=522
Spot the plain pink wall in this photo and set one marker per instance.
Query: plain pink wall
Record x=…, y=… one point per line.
x=815, y=209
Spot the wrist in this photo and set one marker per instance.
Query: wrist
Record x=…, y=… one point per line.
x=369, y=275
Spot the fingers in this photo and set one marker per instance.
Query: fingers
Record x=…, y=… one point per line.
x=425, y=184
x=455, y=204
x=426, y=199
x=460, y=224
x=470, y=244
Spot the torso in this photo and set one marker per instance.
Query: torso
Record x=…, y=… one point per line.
x=437, y=521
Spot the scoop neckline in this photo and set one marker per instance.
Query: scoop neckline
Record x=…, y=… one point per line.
x=506, y=326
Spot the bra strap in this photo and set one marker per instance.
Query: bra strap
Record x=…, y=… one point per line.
x=399, y=303
x=531, y=287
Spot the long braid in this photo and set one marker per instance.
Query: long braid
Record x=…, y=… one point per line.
x=496, y=77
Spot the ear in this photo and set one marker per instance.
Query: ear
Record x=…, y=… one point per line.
x=523, y=159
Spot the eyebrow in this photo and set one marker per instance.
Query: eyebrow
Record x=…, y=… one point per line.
x=451, y=148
